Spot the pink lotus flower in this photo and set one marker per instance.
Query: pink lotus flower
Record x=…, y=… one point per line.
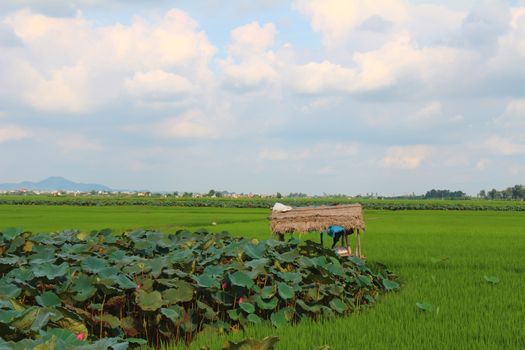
x=224, y=285
x=241, y=300
x=81, y=336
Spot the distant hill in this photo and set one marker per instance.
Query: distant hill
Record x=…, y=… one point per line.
x=54, y=183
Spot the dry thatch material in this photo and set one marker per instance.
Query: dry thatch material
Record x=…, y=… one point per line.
x=317, y=219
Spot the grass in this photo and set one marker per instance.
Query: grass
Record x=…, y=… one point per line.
x=44, y=218
x=469, y=312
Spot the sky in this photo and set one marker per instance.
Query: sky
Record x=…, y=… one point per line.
x=316, y=96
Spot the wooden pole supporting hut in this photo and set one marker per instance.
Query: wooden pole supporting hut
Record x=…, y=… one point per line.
x=307, y=219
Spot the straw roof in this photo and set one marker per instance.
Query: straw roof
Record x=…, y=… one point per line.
x=317, y=218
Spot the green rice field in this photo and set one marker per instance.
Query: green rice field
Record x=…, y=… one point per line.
x=442, y=258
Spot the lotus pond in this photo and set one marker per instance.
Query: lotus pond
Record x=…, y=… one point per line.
x=145, y=287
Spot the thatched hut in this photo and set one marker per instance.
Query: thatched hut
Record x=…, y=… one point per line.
x=308, y=219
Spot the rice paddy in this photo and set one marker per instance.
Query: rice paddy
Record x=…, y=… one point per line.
x=442, y=258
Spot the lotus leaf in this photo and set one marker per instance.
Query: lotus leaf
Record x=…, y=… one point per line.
x=151, y=301
x=50, y=271
x=335, y=267
x=425, y=306
x=270, y=305
x=66, y=336
x=241, y=279
x=73, y=325
x=155, y=266
x=21, y=274
x=6, y=317
x=279, y=318
x=208, y=311
x=42, y=318
x=6, y=303
x=206, y=281
x=11, y=232
x=94, y=265
x=9, y=290
x=234, y=314
x=124, y=282
x=48, y=299
x=84, y=287
x=389, y=284
x=285, y=291
x=338, y=305
x=254, y=251
x=248, y=307
x=108, y=272
x=110, y=320
x=172, y=296
x=174, y=313
x=145, y=283
x=491, y=279
x=364, y=280
x=258, y=265
x=184, y=289
x=214, y=270
x=25, y=319
x=10, y=261
x=309, y=308
x=253, y=318
x=315, y=294
x=292, y=277
x=357, y=261
x=288, y=257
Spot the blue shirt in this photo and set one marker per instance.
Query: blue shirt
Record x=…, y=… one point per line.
x=335, y=230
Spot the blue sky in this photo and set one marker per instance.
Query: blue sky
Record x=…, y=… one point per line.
x=333, y=96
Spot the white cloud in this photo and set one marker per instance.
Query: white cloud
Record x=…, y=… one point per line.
x=517, y=170
x=514, y=115
x=324, y=77
x=321, y=103
x=64, y=91
x=283, y=155
x=337, y=19
x=337, y=149
x=250, y=63
x=73, y=143
x=254, y=73
x=323, y=150
x=72, y=65
x=398, y=62
x=197, y=123
x=503, y=146
x=251, y=38
x=13, y=133
x=191, y=124
x=327, y=170
x=406, y=157
x=429, y=111
x=517, y=17
x=482, y=164
x=158, y=84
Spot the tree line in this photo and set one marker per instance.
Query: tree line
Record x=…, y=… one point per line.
x=445, y=194
x=516, y=192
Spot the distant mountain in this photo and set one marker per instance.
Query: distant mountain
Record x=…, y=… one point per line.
x=54, y=183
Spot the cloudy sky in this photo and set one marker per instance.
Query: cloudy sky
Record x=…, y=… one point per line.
x=335, y=96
